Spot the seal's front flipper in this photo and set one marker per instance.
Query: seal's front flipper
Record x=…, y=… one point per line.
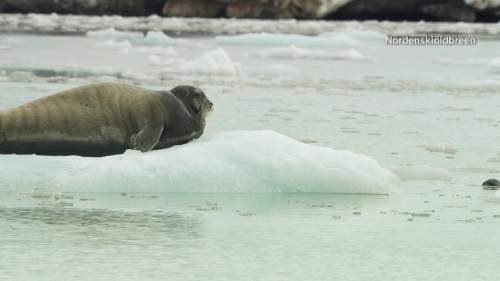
x=146, y=138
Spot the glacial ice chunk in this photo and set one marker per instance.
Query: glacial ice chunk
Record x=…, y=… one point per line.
x=112, y=33
x=266, y=39
x=274, y=70
x=296, y=53
x=422, y=173
x=216, y=62
x=495, y=63
x=154, y=38
x=229, y=162
x=114, y=44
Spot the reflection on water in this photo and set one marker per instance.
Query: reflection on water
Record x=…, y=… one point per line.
x=167, y=236
x=155, y=221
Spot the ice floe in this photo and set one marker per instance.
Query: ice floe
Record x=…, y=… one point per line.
x=293, y=53
x=112, y=33
x=215, y=62
x=82, y=24
x=154, y=38
x=267, y=39
x=114, y=44
x=239, y=161
x=274, y=70
x=421, y=172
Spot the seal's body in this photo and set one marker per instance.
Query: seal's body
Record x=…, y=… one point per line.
x=491, y=184
x=104, y=119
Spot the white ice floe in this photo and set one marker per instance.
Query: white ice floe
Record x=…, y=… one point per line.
x=82, y=24
x=494, y=63
x=44, y=22
x=216, y=62
x=154, y=42
x=138, y=76
x=293, y=53
x=273, y=70
x=240, y=162
x=423, y=173
x=356, y=33
x=155, y=60
x=156, y=55
x=350, y=54
x=154, y=50
x=154, y=38
x=14, y=40
x=112, y=33
x=267, y=39
x=114, y=44
x=463, y=61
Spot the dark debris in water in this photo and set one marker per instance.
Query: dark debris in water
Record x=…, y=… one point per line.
x=247, y=214
x=208, y=206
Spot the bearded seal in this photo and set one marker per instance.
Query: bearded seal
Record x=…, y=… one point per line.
x=104, y=119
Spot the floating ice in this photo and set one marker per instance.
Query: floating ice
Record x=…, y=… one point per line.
x=164, y=51
x=294, y=52
x=466, y=61
x=13, y=40
x=216, y=62
x=350, y=54
x=114, y=44
x=277, y=70
x=125, y=40
x=77, y=23
x=44, y=22
x=111, y=33
x=155, y=60
x=355, y=33
x=424, y=173
x=154, y=38
x=239, y=162
x=266, y=39
x=495, y=63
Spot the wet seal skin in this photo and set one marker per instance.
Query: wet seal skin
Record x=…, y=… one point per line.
x=491, y=184
x=104, y=119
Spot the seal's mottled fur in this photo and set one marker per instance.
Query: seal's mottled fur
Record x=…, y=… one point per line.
x=104, y=119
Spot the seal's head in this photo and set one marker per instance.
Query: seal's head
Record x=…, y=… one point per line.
x=194, y=99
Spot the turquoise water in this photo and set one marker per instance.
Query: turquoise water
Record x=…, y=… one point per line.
x=247, y=237
x=428, y=114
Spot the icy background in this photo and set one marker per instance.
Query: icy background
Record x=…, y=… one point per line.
x=299, y=118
